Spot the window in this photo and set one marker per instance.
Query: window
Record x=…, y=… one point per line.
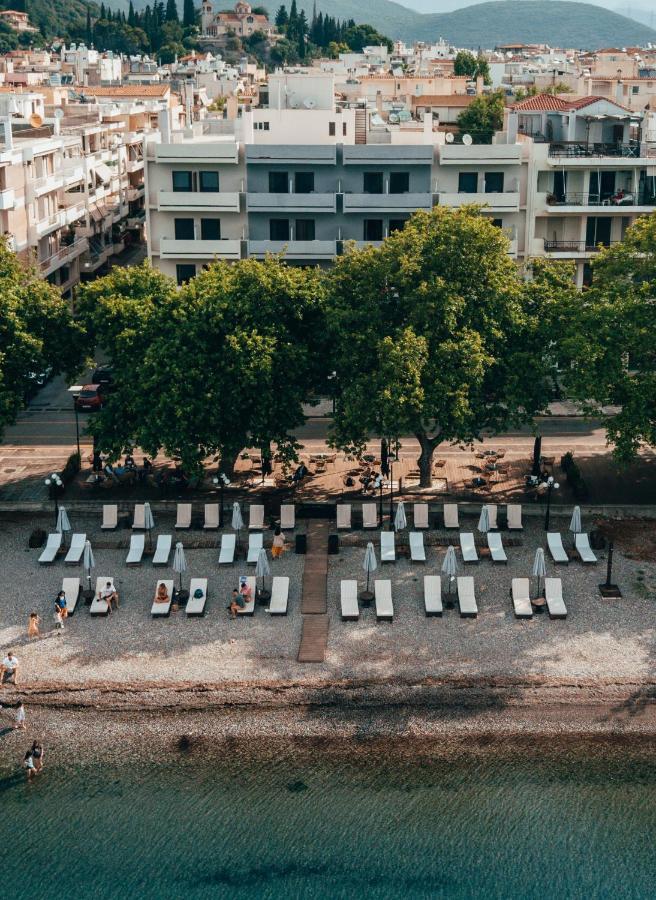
x=635, y=89
x=399, y=182
x=184, y=272
x=498, y=223
x=467, y=182
x=304, y=182
x=373, y=229
x=494, y=182
x=278, y=183
x=372, y=182
x=396, y=225
x=331, y=129
x=304, y=230
x=208, y=182
x=184, y=229
x=278, y=229
x=181, y=181
x=210, y=229
x=344, y=128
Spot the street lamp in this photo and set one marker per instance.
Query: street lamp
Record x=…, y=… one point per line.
x=74, y=391
x=223, y=481
x=55, y=482
x=551, y=486
x=391, y=478
x=378, y=483
x=332, y=378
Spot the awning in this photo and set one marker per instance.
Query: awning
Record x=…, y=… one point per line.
x=103, y=172
x=95, y=214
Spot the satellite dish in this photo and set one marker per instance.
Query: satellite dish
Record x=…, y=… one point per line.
x=467, y=140
x=309, y=103
x=294, y=103
x=36, y=121
x=59, y=114
x=449, y=137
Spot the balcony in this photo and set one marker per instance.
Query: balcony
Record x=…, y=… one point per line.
x=202, y=250
x=198, y=151
x=503, y=200
x=47, y=184
x=569, y=249
x=577, y=150
x=73, y=173
x=303, y=203
x=480, y=154
x=7, y=199
x=73, y=212
x=63, y=255
x=583, y=201
x=136, y=220
x=387, y=155
x=393, y=203
x=300, y=250
x=135, y=193
x=47, y=224
x=292, y=154
x=217, y=201
x=134, y=165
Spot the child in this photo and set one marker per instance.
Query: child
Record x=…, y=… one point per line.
x=59, y=620
x=33, y=626
x=20, y=718
x=278, y=543
x=28, y=762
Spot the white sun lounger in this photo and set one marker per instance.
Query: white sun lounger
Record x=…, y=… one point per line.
x=139, y=518
x=420, y=515
x=583, y=548
x=369, y=515
x=71, y=589
x=135, y=553
x=384, y=606
x=492, y=511
x=288, y=517
x=76, y=549
x=279, y=595
x=468, y=547
x=553, y=594
x=555, y=543
x=467, y=597
x=255, y=544
x=433, y=595
x=495, y=544
x=387, y=548
x=211, y=516
x=196, y=605
x=349, y=600
x=249, y=608
x=51, y=548
x=110, y=517
x=162, y=609
x=514, y=516
x=521, y=598
x=451, y=515
x=162, y=550
x=227, y=552
x=255, y=516
x=343, y=515
x=183, y=519
x=417, y=551
x=100, y=607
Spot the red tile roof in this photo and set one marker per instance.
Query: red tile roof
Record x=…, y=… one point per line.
x=443, y=100
x=560, y=103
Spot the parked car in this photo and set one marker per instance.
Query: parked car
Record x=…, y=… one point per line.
x=36, y=380
x=90, y=398
x=103, y=375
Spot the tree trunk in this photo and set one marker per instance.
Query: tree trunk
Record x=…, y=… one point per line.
x=425, y=461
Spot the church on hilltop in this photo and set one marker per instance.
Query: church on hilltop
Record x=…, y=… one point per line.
x=243, y=21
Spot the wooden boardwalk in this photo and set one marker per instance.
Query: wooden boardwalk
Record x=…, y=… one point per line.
x=314, y=602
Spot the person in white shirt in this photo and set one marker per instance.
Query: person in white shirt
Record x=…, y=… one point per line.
x=110, y=595
x=9, y=669
x=20, y=718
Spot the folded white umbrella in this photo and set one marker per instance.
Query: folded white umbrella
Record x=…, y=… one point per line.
x=237, y=520
x=179, y=561
x=400, y=520
x=575, y=523
x=149, y=522
x=370, y=564
x=88, y=561
x=450, y=564
x=63, y=523
x=262, y=568
x=484, y=520
x=539, y=567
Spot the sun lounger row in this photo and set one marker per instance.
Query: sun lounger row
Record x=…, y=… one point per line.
x=137, y=548
x=211, y=518
x=420, y=515
x=581, y=545
x=494, y=543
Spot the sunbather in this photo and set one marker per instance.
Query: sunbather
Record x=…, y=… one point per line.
x=237, y=602
x=162, y=595
x=110, y=595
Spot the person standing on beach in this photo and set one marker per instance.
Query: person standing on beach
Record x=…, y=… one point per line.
x=19, y=724
x=33, y=625
x=38, y=753
x=59, y=619
x=30, y=768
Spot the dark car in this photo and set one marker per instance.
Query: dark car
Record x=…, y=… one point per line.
x=90, y=398
x=103, y=375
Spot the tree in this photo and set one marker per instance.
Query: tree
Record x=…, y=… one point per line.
x=433, y=336
x=243, y=344
x=359, y=36
x=483, y=117
x=188, y=14
x=471, y=66
x=36, y=333
x=281, y=18
x=172, y=11
x=607, y=341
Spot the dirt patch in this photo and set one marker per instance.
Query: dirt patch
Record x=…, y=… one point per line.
x=635, y=538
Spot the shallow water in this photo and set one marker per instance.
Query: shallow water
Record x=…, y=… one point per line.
x=317, y=827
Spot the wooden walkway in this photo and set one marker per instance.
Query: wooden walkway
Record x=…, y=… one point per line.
x=314, y=602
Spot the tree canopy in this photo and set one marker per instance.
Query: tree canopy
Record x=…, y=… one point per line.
x=223, y=363
x=435, y=336
x=471, y=66
x=36, y=333
x=483, y=117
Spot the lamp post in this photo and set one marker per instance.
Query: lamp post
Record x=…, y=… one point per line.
x=391, y=478
x=74, y=391
x=378, y=483
x=55, y=482
x=223, y=481
x=551, y=486
x=332, y=378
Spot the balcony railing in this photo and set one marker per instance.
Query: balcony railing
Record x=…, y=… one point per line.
x=618, y=198
x=577, y=149
x=575, y=246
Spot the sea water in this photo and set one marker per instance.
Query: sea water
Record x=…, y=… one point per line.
x=371, y=825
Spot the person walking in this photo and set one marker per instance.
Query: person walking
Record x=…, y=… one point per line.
x=278, y=547
x=19, y=724
x=38, y=753
x=30, y=768
x=33, y=626
x=59, y=620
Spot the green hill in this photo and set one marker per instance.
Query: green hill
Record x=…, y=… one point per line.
x=55, y=18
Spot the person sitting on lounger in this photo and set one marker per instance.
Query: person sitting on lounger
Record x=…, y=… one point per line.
x=110, y=595
x=237, y=602
x=278, y=546
x=162, y=595
x=245, y=592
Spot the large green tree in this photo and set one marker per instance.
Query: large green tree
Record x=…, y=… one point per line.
x=435, y=335
x=223, y=363
x=471, y=66
x=608, y=341
x=483, y=117
x=36, y=332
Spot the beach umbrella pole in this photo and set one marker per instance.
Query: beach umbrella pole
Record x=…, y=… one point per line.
x=608, y=589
